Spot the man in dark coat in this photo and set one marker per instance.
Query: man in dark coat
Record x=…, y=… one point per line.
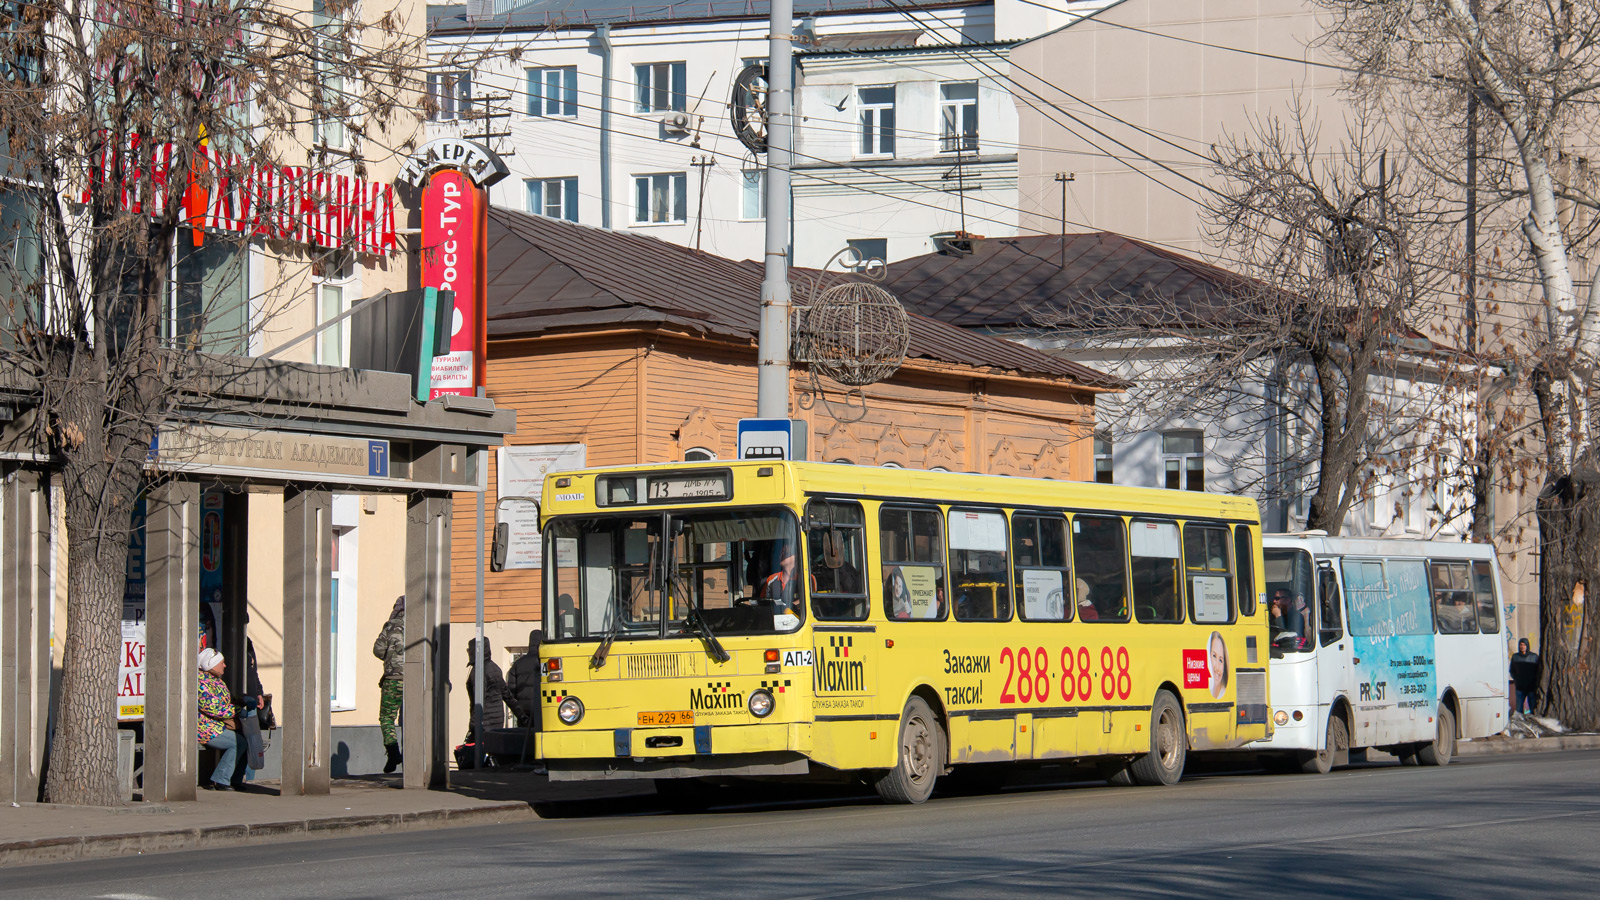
x=496, y=694
x=523, y=680
x=1524, y=676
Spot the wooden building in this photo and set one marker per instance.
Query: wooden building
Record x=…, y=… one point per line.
x=644, y=351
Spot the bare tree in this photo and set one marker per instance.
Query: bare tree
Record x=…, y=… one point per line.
x=1332, y=248
x=124, y=123
x=1533, y=69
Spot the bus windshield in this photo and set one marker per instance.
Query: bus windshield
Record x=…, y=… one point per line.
x=1290, y=615
x=670, y=574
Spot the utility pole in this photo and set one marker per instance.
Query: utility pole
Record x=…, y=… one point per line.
x=702, y=163
x=772, y=379
x=1063, y=178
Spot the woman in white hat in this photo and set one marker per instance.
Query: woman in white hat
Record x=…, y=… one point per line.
x=216, y=718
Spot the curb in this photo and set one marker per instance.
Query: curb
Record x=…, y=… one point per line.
x=1528, y=745
x=103, y=846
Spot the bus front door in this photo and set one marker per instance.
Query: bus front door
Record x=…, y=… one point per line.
x=1333, y=651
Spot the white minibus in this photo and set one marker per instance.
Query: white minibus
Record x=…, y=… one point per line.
x=1380, y=642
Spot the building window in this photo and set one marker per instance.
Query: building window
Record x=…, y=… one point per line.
x=211, y=295
x=661, y=198
x=1183, y=457
x=1103, y=470
x=556, y=198
x=753, y=185
x=553, y=92
x=449, y=96
x=958, y=117
x=342, y=595
x=21, y=263
x=877, y=120
x=661, y=87
x=328, y=126
x=867, y=249
x=699, y=454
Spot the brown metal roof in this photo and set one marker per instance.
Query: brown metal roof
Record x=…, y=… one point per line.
x=547, y=275
x=1088, y=280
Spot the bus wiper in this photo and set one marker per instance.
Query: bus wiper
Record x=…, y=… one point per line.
x=598, y=660
x=713, y=646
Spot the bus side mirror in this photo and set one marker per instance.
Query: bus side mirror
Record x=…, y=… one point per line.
x=833, y=549
x=502, y=540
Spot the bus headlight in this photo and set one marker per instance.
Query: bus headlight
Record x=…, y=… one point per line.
x=570, y=710
x=761, y=704
x=1280, y=717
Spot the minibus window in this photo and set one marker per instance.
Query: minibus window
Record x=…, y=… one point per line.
x=1039, y=548
x=1100, y=554
x=1483, y=591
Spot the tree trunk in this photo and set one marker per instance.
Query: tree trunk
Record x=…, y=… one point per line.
x=98, y=497
x=1569, y=550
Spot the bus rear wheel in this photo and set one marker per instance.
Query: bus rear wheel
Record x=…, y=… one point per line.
x=1443, y=748
x=920, y=758
x=1169, y=744
x=1335, y=749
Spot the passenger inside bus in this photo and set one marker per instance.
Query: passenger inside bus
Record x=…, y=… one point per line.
x=779, y=587
x=1086, y=610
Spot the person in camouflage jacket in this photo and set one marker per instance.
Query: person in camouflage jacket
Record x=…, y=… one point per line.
x=391, y=648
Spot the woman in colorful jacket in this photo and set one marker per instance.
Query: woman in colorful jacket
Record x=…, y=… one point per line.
x=216, y=718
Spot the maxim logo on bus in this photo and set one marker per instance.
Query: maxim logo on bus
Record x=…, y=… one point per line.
x=719, y=695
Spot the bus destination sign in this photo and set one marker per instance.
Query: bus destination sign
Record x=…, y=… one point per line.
x=667, y=488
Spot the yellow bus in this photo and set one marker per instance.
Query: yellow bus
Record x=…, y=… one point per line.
x=714, y=621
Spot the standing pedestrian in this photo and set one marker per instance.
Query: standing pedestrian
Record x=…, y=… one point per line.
x=391, y=648
x=523, y=680
x=496, y=695
x=216, y=719
x=252, y=747
x=1524, y=676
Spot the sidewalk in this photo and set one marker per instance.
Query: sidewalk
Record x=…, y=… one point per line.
x=1495, y=745
x=39, y=833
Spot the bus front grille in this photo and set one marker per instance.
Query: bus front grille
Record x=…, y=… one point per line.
x=661, y=665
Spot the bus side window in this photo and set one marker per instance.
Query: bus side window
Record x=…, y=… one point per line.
x=911, y=563
x=980, y=579
x=1039, y=552
x=1100, y=557
x=836, y=549
x=1156, y=555
x=1328, y=597
x=1483, y=591
x=1244, y=569
x=1209, y=579
x=1453, y=603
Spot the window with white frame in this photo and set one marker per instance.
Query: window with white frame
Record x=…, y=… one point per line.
x=1104, y=450
x=661, y=198
x=556, y=198
x=876, y=105
x=699, y=454
x=328, y=125
x=661, y=87
x=866, y=250
x=753, y=188
x=958, y=117
x=553, y=92
x=1184, y=461
x=342, y=595
x=449, y=96
x=333, y=290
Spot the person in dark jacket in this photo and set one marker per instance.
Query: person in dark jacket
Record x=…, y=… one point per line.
x=523, y=681
x=496, y=695
x=391, y=648
x=1524, y=676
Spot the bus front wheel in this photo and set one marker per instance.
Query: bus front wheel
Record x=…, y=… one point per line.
x=1335, y=749
x=920, y=759
x=1443, y=748
x=1169, y=744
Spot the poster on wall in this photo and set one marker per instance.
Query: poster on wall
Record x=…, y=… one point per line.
x=521, y=472
x=130, y=665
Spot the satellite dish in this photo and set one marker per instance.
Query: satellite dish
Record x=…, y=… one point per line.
x=748, y=107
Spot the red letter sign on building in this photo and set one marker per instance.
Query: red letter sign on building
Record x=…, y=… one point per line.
x=455, y=217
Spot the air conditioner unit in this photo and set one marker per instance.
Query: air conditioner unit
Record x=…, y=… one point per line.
x=676, y=122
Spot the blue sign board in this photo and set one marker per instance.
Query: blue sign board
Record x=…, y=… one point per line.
x=772, y=439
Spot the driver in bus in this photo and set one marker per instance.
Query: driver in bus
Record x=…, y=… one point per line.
x=779, y=586
x=1287, y=623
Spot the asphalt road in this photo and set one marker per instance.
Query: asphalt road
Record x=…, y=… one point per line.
x=1484, y=827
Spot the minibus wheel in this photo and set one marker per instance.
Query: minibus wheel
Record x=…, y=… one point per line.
x=1335, y=745
x=919, y=757
x=1443, y=748
x=1169, y=744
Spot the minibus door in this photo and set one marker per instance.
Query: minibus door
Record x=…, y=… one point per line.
x=1334, y=648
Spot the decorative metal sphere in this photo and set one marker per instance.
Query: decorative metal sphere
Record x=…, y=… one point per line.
x=854, y=333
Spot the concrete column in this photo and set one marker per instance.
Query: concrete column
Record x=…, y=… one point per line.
x=425, y=720
x=24, y=633
x=304, y=714
x=172, y=641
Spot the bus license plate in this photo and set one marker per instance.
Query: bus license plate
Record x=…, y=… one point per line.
x=670, y=717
